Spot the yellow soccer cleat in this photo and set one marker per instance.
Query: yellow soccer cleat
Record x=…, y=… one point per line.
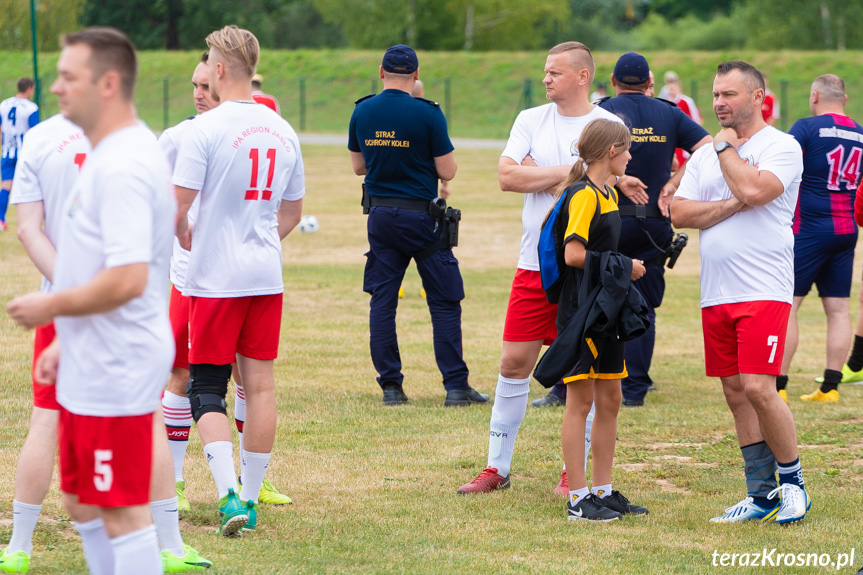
x=401, y=292
x=848, y=376
x=269, y=495
x=783, y=393
x=422, y=293
x=819, y=396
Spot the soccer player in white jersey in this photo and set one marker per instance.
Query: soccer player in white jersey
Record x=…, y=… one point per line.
x=537, y=158
x=17, y=115
x=245, y=162
x=741, y=193
x=175, y=403
x=48, y=166
x=110, y=307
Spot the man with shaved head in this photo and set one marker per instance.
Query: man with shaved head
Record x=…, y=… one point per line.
x=825, y=233
x=540, y=152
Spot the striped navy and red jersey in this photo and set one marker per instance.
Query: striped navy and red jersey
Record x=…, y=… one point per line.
x=832, y=160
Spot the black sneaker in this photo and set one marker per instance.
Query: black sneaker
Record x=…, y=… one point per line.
x=550, y=400
x=617, y=502
x=394, y=395
x=591, y=508
x=632, y=402
x=462, y=397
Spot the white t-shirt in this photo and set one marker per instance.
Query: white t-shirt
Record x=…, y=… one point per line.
x=551, y=140
x=245, y=159
x=121, y=211
x=17, y=116
x=170, y=141
x=750, y=255
x=48, y=166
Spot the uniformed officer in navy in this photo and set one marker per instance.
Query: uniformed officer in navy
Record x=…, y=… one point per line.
x=401, y=145
x=658, y=127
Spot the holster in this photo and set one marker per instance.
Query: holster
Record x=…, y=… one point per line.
x=366, y=201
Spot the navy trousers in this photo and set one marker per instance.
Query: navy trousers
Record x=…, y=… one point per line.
x=397, y=235
x=634, y=243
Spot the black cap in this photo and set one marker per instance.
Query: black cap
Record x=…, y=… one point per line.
x=400, y=59
x=632, y=69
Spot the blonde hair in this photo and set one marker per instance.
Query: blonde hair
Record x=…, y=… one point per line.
x=595, y=142
x=238, y=48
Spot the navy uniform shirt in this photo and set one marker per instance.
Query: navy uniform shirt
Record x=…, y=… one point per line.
x=399, y=137
x=658, y=127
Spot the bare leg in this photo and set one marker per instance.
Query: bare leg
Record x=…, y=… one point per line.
x=259, y=387
x=518, y=358
x=579, y=398
x=792, y=334
x=607, y=395
x=774, y=417
x=745, y=417
x=838, y=331
x=36, y=461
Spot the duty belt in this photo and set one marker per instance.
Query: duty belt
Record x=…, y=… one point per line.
x=645, y=211
x=404, y=203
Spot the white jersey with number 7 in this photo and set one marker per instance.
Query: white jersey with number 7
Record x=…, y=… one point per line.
x=245, y=159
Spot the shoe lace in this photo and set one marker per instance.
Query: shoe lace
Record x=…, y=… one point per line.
x=487, y=472
x=787, y=493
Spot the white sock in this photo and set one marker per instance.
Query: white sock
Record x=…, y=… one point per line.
x=220, y=457
x=97, y=547
x=254, y=469
x=178, y=422
x=239, y=413
x=167, y=520
x=24, y=519
x=588, y=427
x=601, y=491
x=578, y=495
x=137, y=553
x=507, y=413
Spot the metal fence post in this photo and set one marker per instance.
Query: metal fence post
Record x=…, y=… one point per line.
x=447, y=100
x=165, y=105
x=784, y=111
x=302, y=104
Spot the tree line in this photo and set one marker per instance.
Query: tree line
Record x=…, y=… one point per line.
x=477, y=25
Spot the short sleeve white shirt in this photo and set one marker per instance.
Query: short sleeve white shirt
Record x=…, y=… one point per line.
x=170, y=141
x=48, y=166
x=245, y=159
x=750, y=255
x=121, y=211
x=551, y=140
x=17, y=116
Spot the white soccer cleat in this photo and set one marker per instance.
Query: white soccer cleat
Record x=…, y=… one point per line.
x=746, y=510
x=794, y=502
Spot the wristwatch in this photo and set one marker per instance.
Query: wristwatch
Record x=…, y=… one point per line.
x=722, y=146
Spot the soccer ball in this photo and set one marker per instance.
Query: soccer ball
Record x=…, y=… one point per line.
x=309, y=224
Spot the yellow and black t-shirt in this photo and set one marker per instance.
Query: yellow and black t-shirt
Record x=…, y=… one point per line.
x=594, y=220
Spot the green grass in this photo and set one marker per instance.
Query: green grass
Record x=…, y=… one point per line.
x=374, y=487
x=485, y=89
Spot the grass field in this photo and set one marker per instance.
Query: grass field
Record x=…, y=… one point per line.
x=485, y=89
x=374, y=487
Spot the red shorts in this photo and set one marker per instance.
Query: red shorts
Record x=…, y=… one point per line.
x=745, y=337
x=179, y=314
x=529, y=316
x=44, y=396
x=220, y=328
x=106, y=461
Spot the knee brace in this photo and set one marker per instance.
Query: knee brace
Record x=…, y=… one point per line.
x=207, y=389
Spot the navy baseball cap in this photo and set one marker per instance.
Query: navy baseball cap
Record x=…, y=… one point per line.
x=632, y=69
x=400, y=59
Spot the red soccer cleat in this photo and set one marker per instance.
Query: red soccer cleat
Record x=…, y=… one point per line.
x=486, y=481
x=562, y=487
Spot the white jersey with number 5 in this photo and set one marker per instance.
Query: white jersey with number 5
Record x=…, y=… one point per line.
x=121, y=212
x=48, y=166
x=245, y=159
